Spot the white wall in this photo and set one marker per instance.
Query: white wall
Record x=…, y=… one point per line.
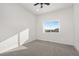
x=23, y=36
x=76, y=20
x=13, y=19
x=14, y=41
x=66, y=34
x=8, y=44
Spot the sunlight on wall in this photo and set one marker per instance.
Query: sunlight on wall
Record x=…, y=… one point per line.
x=12, y=42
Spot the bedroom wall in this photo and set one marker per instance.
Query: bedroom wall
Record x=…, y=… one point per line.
x=76, y=24
x=66, y=34
x=13, y=19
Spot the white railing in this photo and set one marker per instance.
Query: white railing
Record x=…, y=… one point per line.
x=14, y=41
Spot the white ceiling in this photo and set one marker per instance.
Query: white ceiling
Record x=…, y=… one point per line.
x=52, y=7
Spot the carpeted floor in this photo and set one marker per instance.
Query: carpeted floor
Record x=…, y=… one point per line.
x=43, y=48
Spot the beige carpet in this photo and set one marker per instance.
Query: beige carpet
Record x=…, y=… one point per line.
x=17, y=49
x=44, y=48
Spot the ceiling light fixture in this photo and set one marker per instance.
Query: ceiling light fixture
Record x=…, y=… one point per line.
x=37, y=9
x=41, y=4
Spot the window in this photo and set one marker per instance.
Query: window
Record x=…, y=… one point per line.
x=51, y=26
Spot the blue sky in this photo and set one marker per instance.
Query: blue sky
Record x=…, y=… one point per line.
x=51, y=24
